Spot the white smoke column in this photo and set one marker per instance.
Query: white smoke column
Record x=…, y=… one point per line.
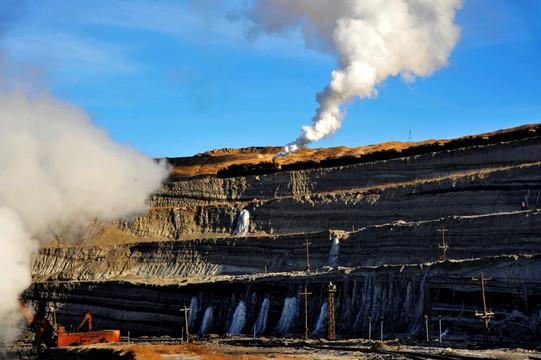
x=57, y=172
x=14, y=269
x=374, y=39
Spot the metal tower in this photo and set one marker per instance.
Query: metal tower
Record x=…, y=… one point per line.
x=331, y=330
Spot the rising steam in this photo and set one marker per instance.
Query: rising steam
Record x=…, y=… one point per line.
x=58, y=171
x=374, y=39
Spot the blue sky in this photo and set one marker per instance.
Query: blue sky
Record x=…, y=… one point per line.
x=175, y=78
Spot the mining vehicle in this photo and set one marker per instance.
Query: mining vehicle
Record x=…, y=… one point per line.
x=57, y=336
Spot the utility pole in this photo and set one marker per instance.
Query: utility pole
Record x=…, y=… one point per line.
x=486, y=316
x=331, y=329
x=305, y=293
x=444, y=246
x=308, y=268
x=185, y=310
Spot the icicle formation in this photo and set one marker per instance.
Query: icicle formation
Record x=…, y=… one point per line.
x=287, y=318
x=208, y=320
x=334, y=253
x=242, y=223
x=261, y=322
x=322, y=320
x=194, y=310
x=239, y=319
x=373, y=40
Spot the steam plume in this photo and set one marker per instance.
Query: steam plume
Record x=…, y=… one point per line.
x=374, y=39
x=58, y=170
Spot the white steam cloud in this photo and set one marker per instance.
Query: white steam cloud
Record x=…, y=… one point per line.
x=58, y=171
x=374, y=39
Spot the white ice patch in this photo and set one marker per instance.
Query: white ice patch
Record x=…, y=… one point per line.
x=261, y=322
x=322, y=320
x=288, y=316
x=334, y=253
x=242, y=223
x=192, y=314
x=208, y=320
x=239, y=319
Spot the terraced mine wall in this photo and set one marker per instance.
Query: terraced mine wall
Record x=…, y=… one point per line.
x=467, y=181
x=470, y=237
x=271, y=303
x=373, y=231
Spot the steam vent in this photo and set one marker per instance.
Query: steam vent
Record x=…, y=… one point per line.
x=228, y=234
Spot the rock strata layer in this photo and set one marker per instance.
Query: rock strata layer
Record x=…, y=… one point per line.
x=373, y=228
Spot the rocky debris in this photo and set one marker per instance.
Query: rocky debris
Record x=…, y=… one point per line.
x=85, y=354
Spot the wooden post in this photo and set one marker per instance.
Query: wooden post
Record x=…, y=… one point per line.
x=185, y=310
x=370, y=328
x=305, y=293
x=444, y=246
x=308, y=268
x=486, y=316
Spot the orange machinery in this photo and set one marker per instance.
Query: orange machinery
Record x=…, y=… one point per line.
x=46, y=331
x=90, y=337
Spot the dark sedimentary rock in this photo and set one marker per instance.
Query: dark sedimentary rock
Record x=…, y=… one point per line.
x=382, y=211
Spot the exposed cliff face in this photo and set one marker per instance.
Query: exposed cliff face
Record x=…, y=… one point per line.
x=400, y=294
x=383, y=218
x=479, y=180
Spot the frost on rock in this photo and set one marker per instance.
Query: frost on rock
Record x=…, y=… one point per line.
x=334, y=253
x=239, y=319
x=322, y=320
x=287, y=318
x=242, y=223
x=261, y=322
x=208, y=320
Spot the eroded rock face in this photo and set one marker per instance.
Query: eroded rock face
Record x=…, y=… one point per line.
x=467, y=181
x=400, y=294
x=383, y=217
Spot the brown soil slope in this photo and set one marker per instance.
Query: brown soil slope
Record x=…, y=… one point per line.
x=210, y=162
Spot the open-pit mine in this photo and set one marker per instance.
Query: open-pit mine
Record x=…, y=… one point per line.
x=403, y=230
